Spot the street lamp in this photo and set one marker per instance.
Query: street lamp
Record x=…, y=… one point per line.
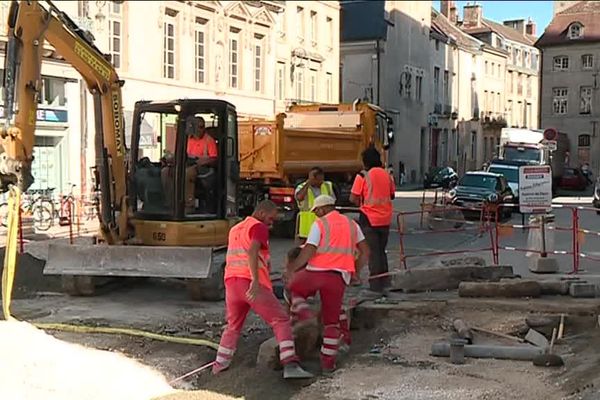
x=100, y=17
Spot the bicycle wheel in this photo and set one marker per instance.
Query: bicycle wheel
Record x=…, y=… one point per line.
x=4, y=214
x=42, y=217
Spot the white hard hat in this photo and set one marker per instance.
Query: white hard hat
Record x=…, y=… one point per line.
x=322, y=201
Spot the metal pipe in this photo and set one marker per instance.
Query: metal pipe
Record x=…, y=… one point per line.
x=522, y=353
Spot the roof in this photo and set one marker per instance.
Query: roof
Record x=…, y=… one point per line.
x=587, y=13
x=355, y=13
x=506, y=31
x=443, y=24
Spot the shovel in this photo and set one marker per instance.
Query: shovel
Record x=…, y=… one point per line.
x=548, y=359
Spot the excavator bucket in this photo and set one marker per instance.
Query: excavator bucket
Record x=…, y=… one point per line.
x=133, y=261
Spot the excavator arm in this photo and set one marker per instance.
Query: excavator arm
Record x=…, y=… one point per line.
x=30, y=25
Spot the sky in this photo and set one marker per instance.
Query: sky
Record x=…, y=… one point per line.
x=498, y=10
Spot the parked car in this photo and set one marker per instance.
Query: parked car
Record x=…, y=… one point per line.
x=596, y=200
x=510, y=170
x=476, y=187
x=445, y=178
x=573, y=179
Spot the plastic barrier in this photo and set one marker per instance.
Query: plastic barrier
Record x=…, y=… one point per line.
x=448, y=214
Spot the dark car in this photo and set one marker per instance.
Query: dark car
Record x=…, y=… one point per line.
x=573, y=179
x=445, y=178
x=476, y=187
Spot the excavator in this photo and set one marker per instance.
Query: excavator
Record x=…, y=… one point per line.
x=154, y=220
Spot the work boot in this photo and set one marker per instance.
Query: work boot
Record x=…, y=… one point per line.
x=295, y=371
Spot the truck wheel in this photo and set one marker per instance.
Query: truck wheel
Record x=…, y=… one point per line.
x=209, y=289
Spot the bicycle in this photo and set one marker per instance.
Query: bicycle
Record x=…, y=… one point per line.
x=37, y=204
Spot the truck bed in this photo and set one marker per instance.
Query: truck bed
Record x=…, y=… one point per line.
x=297, y=141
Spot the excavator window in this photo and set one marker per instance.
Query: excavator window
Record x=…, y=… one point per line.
x=186, y=173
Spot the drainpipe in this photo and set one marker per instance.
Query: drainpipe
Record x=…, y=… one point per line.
x=378, y=50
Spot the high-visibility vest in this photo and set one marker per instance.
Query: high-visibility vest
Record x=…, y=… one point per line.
x=236, y=260
x=376, y=196
x=307, y=217
x=337, y=246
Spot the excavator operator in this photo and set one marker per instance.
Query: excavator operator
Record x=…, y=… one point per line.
x=202, y=156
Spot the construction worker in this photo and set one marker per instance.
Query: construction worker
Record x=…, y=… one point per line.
x=305, y=194
x=329, y=255
x=248, y=287
x=373, y=190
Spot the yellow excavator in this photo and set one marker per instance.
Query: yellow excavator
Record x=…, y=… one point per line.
x=149, y=225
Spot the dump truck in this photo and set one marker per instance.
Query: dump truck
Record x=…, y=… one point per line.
x=528, y=145
x=276, y=155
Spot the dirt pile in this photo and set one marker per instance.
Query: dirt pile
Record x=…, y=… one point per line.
x=36, y=365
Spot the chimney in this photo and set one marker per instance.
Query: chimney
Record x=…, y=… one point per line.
x=448, y=9
x=530, y=28
x=472, y=15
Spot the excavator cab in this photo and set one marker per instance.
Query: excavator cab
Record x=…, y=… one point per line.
x=183, y=162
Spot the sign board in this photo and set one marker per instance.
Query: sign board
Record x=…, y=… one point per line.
x=550, y=134
x=535, y=189
x=550, y=144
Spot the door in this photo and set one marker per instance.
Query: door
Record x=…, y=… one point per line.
x=434, y=144
x=232, y=166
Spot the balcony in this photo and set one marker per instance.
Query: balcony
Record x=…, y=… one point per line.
x=493, y=119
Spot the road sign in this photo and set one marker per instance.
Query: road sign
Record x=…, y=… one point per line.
x=535, y=189
x=550, y=134
x=550, y=144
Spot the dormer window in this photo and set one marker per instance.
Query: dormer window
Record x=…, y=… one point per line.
x=575, y=30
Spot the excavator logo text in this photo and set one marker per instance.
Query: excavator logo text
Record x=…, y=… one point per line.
x=116, y=105
x=93, y=61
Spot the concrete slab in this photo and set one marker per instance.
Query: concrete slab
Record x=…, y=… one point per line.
x=582, y=290
x=544, y=265
x=536, y=338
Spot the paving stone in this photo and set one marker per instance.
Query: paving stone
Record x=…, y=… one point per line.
x=582, y=290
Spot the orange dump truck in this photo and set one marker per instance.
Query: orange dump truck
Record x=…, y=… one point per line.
x=277, y=155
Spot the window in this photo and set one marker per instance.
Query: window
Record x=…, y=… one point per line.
x=446, y=84
x=585, y=100
x=486, y=100
x=437, y=45
x=561, y=63
x=234, y=48
x=584, y=141
x=526, y=59
x=520, y=84
x=313, y=85
x=200, y=52
x=258, y=64
x=517, y=57
x=436, y=84
x=418, y=88
x=329, y=87
x=587, y=61
x=473, y=145
x=299, y=85
x=300, y=23
x=575, y=31
x=529, y=85
x=559, y=100
x=534, y=61
x=511, y=82
x=330, y=32
x=169, y=45
x=115, y=33
x=487, y=71
x=280, y=82
x=313, y=27
x=499, y=103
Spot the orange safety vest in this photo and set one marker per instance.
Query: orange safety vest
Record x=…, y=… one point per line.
x=337, y=245
x=236, y=260
x=377, y=201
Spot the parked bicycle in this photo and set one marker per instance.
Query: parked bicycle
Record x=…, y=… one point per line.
x=37, y=204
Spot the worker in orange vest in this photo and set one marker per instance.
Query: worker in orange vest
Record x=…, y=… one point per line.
x=248, y=287
x=373, y=190
x=329, y=255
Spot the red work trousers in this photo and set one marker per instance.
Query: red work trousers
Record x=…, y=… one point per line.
x=330, y=286
x=266, y=306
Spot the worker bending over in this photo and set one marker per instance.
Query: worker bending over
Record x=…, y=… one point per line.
x=248, y=287
x=305, y=194
x=373, y=190
x=329, y=255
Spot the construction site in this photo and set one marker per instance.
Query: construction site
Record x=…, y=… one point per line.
x=493, y=289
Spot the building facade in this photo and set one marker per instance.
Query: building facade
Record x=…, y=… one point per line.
x=260, y=56
x=570, y=89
